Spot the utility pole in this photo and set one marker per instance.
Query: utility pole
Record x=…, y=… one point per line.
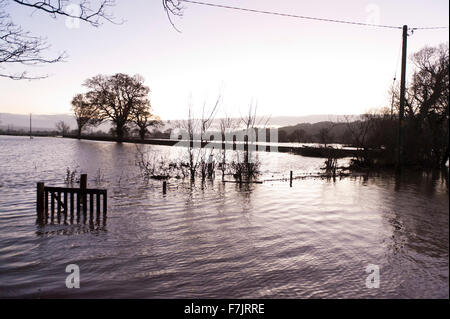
x=401, y=113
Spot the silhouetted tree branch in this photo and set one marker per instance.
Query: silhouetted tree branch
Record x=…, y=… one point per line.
x=226, y=124
x=20, y=47
x=87, y=10
x=427, y=107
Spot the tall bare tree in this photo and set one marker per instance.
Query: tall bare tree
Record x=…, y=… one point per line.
x=206, y=155
x=227, y=124
x=62, y=127
x=190, y=126
x=196, y=130
x=117, y=98
x=427, y=107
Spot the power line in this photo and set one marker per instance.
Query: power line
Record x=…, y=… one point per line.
x=428, y=28
x=395, y=79
x=289, y=15
x=305, y=17
x=398, y=61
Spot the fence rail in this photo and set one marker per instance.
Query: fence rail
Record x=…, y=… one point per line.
x=68, y=202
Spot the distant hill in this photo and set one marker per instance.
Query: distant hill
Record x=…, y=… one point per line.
x=338, y=131
x=288, y=125
x=47, y=122
x=294, y=120
x=40, y=122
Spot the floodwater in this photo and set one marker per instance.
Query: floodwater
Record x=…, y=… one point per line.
x=218, y=240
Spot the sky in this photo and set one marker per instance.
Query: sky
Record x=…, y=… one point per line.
x=287, y=66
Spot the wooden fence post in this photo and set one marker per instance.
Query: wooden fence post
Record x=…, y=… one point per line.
x=83, y=181
x=164, y=187
x=290, y=183
x=105, y=204
x=40, y=202
x=83, y=186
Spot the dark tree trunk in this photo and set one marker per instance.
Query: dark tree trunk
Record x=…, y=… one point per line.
x=142, y=133
x=445, y=157
x=79, y=132
x=119, y=133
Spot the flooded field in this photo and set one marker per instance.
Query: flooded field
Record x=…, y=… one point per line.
x=220, y=240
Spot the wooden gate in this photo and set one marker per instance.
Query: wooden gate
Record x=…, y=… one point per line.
x=68, y=202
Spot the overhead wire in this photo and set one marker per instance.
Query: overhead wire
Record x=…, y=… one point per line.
x=307, y=17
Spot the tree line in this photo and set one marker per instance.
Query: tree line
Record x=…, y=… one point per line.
x=426, y=124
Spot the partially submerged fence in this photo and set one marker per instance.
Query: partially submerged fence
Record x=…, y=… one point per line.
x=68, y=202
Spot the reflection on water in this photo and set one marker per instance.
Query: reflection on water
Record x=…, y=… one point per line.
x=71, y=229
x=220, y=239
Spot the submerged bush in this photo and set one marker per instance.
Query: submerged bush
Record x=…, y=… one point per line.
x=70, y=176
x=245, y=170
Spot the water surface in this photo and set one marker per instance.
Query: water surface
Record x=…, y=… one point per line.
x=219, y=240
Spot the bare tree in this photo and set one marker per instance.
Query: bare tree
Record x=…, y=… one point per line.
x=190, y=126
x=428, y=91
x=359, y=128
x=249, y=168
x=196, y=129
x=249, y=122
x=62, y=127
x=85, y=113
x=227, y=124
x=427, y=107
x=117, y=98
x=370, y=132
x=207, y=165
x=143, y=119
